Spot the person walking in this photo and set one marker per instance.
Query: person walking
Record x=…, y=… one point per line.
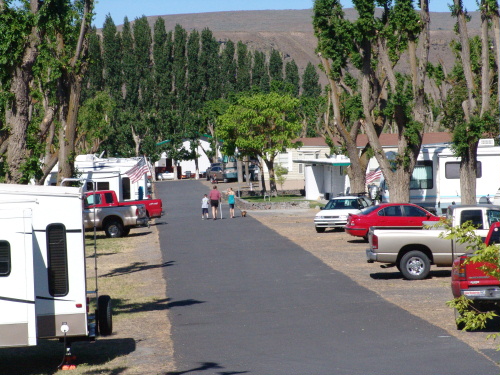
x=204, y=207
x=215, y=197
x=231, y=201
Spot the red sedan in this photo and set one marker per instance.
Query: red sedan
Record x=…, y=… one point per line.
x=387, y=215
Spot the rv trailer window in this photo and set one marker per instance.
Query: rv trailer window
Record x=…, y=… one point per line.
x=126, y=187
x=57, y=260
x=452, y=170
x=4, y=258
x=422, y=175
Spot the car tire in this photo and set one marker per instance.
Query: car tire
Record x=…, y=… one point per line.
x=225, y=180
x=113, y=229
x=104, y=315
x=320, y=229
x=415, y=265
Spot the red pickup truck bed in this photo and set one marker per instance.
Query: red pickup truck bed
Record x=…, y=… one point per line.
x=103, y=198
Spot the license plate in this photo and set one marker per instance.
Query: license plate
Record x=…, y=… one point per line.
x=474, y=293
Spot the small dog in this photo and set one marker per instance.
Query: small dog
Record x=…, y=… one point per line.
x=243, y=213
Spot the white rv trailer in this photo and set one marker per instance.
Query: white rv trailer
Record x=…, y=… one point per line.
x=435, y=182
x=108, y=174
x=43, y=285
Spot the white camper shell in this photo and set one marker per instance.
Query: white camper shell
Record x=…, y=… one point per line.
x=435, y=183
x=108, y=174
x=43, y=286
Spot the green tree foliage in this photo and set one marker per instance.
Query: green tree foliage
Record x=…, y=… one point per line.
x=292, y=78
x=111, y=57
x=244, y=65
x=312, y=104
x=261, y=125
x=373, y=45
x=44, y=49
x=228, y=66
x=310, y=82
x=276, y=66
x=475, y=66
x=210, y=66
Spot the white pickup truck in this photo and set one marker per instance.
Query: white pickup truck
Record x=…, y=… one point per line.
x=413, y=251
x=115, y=221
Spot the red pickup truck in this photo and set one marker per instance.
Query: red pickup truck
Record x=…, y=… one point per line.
x=467, y=279
x=104, y=198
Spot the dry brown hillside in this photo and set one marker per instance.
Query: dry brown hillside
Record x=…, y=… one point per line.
x=291, y=32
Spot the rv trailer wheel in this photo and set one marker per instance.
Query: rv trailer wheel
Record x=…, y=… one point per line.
x=113, y=229
x=104, y=315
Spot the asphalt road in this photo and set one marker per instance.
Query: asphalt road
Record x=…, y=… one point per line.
x=244, y=300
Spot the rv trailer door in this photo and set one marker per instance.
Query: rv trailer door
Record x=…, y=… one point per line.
x=17, y=292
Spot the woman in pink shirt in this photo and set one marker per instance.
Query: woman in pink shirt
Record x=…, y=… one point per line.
x=214, y=197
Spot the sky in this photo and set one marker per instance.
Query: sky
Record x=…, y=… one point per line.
x=136, y=8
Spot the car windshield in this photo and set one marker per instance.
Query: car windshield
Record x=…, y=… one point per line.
x=340, y=204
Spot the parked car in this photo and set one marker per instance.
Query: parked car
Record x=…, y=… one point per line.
x=208, y=173
x=253, y=171
x=230, y=174
x=387, y=215
x=336, y=211
x=165, y=176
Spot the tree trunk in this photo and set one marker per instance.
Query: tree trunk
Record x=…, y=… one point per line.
x=67, y=133
x=17, y=116
x=272, y=177
x=468, y=170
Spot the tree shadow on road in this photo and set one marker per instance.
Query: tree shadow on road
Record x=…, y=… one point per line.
x=136, y=267
x=122, y=306
x=206, y=366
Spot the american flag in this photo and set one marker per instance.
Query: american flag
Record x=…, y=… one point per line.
x=137, y=171
x=373, y=175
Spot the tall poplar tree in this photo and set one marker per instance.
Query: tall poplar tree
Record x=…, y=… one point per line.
x=244, y=65
x=276, y=66
x=292, y=78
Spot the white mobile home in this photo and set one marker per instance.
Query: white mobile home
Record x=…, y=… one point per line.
x=43, y=285
x=108, y=174
x=435, y=182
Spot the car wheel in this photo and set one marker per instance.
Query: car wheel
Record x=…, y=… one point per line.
x=113, y=229
x=104, y=315
x=415, y=265
x=320, y=230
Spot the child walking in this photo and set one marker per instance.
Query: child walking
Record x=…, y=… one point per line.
x=204, y=207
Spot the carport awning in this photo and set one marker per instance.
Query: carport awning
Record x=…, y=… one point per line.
x=334, y=162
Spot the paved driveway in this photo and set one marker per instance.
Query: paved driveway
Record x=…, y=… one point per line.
x=245, y=300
